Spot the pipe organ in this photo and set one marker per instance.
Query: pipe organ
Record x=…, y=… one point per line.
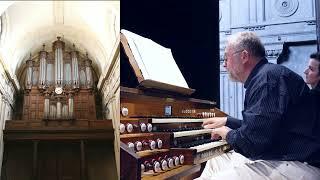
x=63, y=70
x=59, y=76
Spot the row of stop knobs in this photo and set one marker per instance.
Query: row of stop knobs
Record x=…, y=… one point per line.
x=129, y=127
x=162, y=164
x=151, y=144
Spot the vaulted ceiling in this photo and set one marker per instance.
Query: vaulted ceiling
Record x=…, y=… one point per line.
x=93, y=26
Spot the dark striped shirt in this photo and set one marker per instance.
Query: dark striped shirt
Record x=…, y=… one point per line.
x=273, y=125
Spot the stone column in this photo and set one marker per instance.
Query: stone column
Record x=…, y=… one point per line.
x=2, y=113
x=1, y=104
x=6, y=110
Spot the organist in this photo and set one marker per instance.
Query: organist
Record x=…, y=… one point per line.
x=271, y=142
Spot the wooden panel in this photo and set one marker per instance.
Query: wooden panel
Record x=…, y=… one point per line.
x=33, y=105
x=84, y=105
x=100, y=161
x=129, y=163
x=59, y=161
x=17, y=162
x=48, y=162
x=69, y=161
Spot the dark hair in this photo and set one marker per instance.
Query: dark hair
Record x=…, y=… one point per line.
x=316, y=56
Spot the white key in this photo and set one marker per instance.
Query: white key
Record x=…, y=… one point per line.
x=193, y=132
x=175, y=120
x=210, y=145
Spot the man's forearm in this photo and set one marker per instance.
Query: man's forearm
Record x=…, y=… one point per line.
x=233, y=123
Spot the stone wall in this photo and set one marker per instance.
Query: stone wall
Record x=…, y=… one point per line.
x=7, y=91
x=109, y=86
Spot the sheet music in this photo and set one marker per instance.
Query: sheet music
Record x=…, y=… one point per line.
x=155, y=61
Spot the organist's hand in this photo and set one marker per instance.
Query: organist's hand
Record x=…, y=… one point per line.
x=215, y=122
x=220, y=132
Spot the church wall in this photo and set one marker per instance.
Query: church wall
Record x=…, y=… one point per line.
x=109, y=86
x=275, y=22
x=7, y=92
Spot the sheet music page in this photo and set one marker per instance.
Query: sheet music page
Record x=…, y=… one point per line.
x=155, y=61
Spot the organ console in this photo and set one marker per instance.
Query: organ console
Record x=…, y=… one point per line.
x=161, y=130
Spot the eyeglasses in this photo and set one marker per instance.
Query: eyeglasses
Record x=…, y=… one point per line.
x=225, y=59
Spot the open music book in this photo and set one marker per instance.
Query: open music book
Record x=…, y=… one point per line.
x=156, y=64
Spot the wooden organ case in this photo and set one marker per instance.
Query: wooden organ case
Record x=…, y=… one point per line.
x=160, y=125
x=57, y=135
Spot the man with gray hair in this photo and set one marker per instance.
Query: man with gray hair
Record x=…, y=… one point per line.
x=271, y=142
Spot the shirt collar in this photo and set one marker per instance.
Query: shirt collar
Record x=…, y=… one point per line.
x=255, y=71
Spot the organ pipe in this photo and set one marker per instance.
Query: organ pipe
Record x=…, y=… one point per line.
x=46, y=107
x=58, y=47
x=75, y=68
x=59, y=110
x=88, y=63
x=70, y=103
x=29, y=73
x=43, y=65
